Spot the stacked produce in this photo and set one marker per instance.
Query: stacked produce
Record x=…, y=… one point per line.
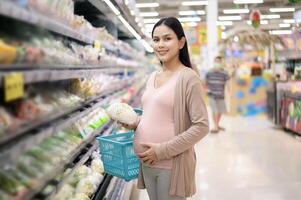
x=84, y=181
x=38, y=162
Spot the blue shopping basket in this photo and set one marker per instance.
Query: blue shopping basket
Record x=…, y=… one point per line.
x=118, y=156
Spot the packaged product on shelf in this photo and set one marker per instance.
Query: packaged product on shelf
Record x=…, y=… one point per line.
x=32, y=166
x=27, y=110
x=5, y=120
x=122, y=112
x=9, y=184
x=4, y=196
x=85, y=186
x=81, y=196
x=40, y=154
x=65, y=193
x=24, y=179
x=8, y=53
x=97, y=166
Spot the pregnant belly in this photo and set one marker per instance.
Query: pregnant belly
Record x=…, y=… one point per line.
x=138, y=148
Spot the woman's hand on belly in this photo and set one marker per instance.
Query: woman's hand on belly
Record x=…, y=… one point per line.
x=149, y=156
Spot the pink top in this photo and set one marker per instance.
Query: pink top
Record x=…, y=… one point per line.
x=157, y=122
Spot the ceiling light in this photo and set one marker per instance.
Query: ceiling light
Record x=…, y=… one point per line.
x=289, y=21
x=192, y=24
x=282, y=9
x=281, y=32
x=284, y=25
x=262, y=22
x=150, y=21
x=189, y=19
x=194, y=3
x=236, y=11
x=247, y=1
x=192, y=12
x=270, y=16
x=129, y=27
x=224, y=23
x=236, y=39
x=147, y=46
x=149, y=14
x=112, y=7
x=229, y=18
x=147, y=5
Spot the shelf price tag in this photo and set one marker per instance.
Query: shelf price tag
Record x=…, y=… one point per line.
x=13, y=86
x=97, y=44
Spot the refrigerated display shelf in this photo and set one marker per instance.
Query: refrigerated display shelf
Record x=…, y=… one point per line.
x=60, y=167
x=14, y=11
x=63, y=180
x=51, y=75
x=75, y=113
x=101, y=191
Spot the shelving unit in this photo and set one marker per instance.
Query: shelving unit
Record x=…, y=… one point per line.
x=18, y=140
x=9, y=9
x=288, y=121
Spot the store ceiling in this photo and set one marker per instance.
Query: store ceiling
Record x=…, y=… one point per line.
x=173, y=7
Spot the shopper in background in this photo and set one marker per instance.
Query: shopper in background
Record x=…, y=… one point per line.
x=216, y=80
x=174, y=118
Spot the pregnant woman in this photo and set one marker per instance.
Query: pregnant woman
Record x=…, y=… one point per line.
x=174, y=118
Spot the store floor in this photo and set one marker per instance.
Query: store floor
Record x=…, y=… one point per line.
x=251, y=160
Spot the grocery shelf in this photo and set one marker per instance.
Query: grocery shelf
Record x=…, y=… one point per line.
x=82, y=159
x=89, y=143
x=32, y=75
x=59, y=120
x=11, y=10
x=101, y=191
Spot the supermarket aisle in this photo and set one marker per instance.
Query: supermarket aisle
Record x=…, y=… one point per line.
x=250, y=161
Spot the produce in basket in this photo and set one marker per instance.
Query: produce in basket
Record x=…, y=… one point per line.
x=122, y=112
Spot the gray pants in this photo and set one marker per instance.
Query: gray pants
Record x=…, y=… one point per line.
x=157, y=182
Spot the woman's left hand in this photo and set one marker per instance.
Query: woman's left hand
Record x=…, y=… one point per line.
x=149, y=156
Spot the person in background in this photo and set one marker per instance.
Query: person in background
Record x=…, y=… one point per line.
x=174, y=118
x=216, y=80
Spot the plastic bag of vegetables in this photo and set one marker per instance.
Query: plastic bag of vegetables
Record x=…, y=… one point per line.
x=122, y=112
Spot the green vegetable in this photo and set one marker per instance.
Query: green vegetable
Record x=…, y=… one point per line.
x=9, y=184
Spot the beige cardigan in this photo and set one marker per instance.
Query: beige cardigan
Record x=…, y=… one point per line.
x=191, y=125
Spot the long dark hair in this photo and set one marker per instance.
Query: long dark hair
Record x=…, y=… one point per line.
x=175, y=25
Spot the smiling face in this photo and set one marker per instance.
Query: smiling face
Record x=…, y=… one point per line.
x=166, y=43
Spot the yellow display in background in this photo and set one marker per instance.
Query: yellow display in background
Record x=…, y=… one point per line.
x=13, y=86
x=202, y=34
x=219, y=33
x=195, y=49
